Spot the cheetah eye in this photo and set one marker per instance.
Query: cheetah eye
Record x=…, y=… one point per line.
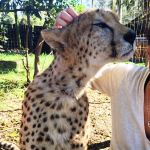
x=103, y=25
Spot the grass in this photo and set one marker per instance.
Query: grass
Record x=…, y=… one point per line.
x=12, y=81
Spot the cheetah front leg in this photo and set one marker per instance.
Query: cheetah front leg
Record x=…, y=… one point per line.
x=81, y=125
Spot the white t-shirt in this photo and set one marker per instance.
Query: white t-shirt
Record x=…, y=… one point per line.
x=124, y=83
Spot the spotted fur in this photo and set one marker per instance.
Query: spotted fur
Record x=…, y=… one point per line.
x=56, y=107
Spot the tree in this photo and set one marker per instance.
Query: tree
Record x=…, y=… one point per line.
x=130, y=8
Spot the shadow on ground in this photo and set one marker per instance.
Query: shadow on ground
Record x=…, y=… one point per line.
x=7, y=66
x=98, y=146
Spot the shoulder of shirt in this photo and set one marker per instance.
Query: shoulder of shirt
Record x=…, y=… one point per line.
x=123, y=66
x=118, y=68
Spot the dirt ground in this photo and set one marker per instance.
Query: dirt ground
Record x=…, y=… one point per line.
x=100, y=113
x=100, y=122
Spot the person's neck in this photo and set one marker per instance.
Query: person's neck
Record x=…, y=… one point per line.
x=146, y=82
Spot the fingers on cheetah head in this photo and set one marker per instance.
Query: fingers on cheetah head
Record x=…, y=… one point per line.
x=96, y=36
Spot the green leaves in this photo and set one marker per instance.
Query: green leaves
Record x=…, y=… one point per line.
x=35, y=7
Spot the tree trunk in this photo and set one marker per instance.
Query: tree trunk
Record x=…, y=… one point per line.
x=118, y=6
x=146, y=5
x=37, y=54
x=114, y=5
x=27, y=56
x=26, y=63
x=17, y=29
x=92, y=3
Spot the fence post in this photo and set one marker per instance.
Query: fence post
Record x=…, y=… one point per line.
x=37, y=54
x=26, y=66
x=17, y=29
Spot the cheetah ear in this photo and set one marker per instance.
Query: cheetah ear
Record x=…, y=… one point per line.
x=55, y=38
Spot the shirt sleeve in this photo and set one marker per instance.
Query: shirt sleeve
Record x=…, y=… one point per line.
x=109, y=78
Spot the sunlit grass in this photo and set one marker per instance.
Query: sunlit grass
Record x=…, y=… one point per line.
x=12, y=82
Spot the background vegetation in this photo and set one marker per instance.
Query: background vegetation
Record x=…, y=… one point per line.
x=12, y=80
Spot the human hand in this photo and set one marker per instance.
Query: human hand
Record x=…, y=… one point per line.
x=65, y=17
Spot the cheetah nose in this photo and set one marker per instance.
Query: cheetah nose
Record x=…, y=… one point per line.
x=130, y=36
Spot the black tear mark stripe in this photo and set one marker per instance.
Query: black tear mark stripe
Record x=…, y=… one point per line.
x=113, y=45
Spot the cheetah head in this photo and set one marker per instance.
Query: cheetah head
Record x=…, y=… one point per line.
x=95, y=37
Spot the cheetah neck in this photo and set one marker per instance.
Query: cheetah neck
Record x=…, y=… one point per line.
x=71, y=80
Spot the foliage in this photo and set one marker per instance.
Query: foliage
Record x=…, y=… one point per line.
x=79, y=8
x=3, y=38
x=12, y=82
x=7, y=18
x=32, y=8
x=130, y=8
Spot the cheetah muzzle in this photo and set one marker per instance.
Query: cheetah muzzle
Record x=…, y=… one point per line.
x=55, y=108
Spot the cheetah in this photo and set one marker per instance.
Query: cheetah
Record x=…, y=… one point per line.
x=56, y=107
